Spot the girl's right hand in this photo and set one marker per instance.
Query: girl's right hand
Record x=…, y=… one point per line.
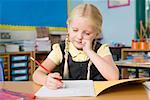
x=53, y=81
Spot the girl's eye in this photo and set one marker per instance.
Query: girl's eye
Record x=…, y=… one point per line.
x=87, y=33
x=75, y=30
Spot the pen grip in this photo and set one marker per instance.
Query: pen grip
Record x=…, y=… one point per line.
x=58, y=79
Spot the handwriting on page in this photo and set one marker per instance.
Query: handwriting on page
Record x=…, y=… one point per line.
x=72, y=88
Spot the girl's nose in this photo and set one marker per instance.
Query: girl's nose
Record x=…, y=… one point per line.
x=80, y=35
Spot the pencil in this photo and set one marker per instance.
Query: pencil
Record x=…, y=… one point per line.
x=43, y=67
x=39, y=64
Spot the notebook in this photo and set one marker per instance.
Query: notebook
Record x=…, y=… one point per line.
x=147, y=85
x=84, y=87
x=72, y=88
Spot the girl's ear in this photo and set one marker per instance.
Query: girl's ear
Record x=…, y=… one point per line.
x=97, y=36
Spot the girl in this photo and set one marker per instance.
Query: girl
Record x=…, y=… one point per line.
x=80, y=56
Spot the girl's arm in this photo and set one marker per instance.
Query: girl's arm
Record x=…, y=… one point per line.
x=49, y=79
x=42, y=77
x=105, y=65
x=40, y=74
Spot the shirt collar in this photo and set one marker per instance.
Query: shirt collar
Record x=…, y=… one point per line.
x=74, y=51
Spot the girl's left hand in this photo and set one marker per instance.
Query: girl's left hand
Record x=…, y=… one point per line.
x=87, y=45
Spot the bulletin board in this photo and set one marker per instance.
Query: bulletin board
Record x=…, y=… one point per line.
x=50, y=13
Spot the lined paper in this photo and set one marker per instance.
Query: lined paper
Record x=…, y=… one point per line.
x=72, y=88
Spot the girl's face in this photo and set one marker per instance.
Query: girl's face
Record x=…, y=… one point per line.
x=81, y=28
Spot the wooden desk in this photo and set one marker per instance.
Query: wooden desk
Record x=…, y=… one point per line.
x=126, y=64
x=130, y=92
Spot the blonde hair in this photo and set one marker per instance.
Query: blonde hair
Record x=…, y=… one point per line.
x=82, y=10
x=66, y=70
x=90, y=11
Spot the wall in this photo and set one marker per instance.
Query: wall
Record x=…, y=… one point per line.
x=119, y=24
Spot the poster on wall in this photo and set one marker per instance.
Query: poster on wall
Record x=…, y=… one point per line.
x=118, y=3
x=51, y=13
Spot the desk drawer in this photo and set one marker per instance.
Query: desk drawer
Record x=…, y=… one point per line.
x=19, y=58
x=19, y=71
x=19, y=65
x=20, y=78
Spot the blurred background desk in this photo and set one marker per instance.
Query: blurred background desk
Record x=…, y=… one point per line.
x=134, y=63
x=130, y=92
x=124, y=64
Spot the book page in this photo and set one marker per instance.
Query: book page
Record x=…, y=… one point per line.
x=147, y=84
x=100, y=86
x=72, y=88
x=85, y=87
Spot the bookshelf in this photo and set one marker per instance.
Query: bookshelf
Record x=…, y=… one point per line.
x=134, y=63
x=126, y=51
x=18, y=66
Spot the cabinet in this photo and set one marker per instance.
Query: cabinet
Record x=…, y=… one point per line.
x=125, y=52
x=6, y=66
x=18, y=66
x=134, y=63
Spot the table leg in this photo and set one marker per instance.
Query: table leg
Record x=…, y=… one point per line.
x=137, y=72
x=125, y=73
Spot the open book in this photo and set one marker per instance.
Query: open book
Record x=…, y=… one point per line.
x=84, y=87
